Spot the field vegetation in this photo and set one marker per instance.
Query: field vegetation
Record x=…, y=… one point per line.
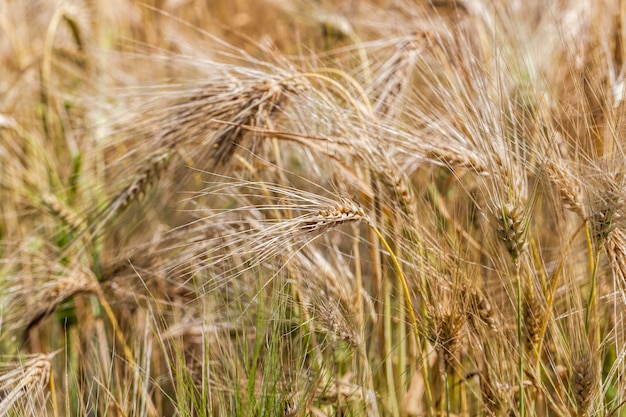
x=312, y=208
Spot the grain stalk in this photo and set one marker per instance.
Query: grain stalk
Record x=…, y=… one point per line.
x=346, y=212
x=550, y=298
x=512, y=232
x=402, y=281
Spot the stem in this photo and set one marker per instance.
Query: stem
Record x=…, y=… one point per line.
x=402, y=279
x=367, y=381
x=447, y=388
x=53, y=395
x=592, y=302
x=393, y=400
x=444, y=406
x=520, y=340
x=409, y=306
x=339, y=88
x=128, y=355
x=550, y=297
x=354, y=83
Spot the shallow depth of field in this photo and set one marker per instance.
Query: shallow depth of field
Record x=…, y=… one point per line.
x=312, y=208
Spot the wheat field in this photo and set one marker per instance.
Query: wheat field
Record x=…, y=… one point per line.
x=312, y=208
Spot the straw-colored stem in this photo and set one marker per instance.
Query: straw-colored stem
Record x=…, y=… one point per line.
x=402, y=281
x=354, y=83
x=387, y=335
x=447, y=391
x=520, y=340
x=592, y=302
x=367, y=377
x=341, y=89
x=550, y=300
x=53, y=395
x=407, y=297
x=128, y=355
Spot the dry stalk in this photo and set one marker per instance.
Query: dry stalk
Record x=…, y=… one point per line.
x=338, y=390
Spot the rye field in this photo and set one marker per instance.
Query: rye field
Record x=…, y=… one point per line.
x=314, y=208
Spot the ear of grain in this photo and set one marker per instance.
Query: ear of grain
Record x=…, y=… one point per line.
x=399, y=187
x=616, y=249
x=47, y=297
x=606, y=210
x=61, y=211
x=456, y=158
x=480, y=310
x=583, y=382
x=395, y=76
x=603, y=223
x=257, y=106
x=23, y=385
x=446, y=325
x=147, y=175
x=533, y=318
x=568, y=186
x=332, y=216
x=488, y=394
x=218, y=117
x=511, y=229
